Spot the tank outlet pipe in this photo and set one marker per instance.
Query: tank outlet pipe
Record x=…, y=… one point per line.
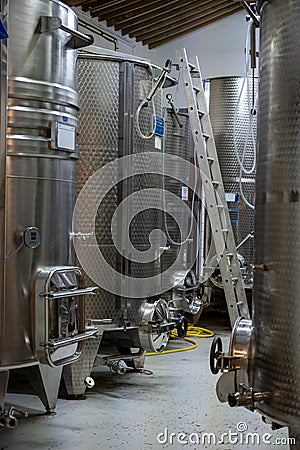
x=247, y=397
x=8, y=418
x=118, y=366
x=48, y=24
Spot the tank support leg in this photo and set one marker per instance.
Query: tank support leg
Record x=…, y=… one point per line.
x=3, y=387
x=45, y=381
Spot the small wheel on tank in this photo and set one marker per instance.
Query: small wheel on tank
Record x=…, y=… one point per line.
x=216, y=350
x=182, y=326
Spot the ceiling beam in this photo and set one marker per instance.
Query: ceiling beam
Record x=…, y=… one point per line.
x=148, y=8
x=184, y=19
x=90, y=4
x=168, y=17
x=174, y=33
x=76, y=2
x=124, y=7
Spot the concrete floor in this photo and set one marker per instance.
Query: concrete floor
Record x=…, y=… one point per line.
x=139, y=412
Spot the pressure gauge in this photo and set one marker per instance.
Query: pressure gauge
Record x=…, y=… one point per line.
x=32, y=237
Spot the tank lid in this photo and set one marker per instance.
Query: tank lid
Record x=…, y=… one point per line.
x=104, y=53
x=99, y=53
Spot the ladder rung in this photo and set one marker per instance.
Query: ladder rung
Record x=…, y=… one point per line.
x=192, y=66
x=225, y=230
x=220, y=206
x=201, y=113
x=215, y=183
x=196, y=89
x=210, y=159
x=234, y=278
x=239, y=303
x=230, y=255
x=206, y=136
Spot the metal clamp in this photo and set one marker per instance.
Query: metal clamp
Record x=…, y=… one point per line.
x=48, y=24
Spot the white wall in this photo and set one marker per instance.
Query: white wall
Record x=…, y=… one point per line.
x=219, y=47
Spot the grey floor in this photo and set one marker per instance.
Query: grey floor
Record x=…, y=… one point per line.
x=140, y=412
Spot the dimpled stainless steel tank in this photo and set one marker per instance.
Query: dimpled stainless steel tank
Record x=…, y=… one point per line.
x=229, y=113
x=42, y=109
x=276, y=293
x=111, y=88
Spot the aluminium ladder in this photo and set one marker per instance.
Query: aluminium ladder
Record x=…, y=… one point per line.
x=215, y=198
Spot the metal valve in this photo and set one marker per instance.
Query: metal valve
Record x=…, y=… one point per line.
x=89, y=382
x=8, y=418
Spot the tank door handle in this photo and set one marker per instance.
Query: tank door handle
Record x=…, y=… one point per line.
x=48, y=24
x=70, y=293
x=79, y=339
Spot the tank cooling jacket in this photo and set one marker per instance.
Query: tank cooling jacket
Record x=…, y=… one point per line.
x=277, y=290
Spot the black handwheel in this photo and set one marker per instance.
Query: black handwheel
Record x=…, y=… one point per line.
x=216, y=350
x=182, y=326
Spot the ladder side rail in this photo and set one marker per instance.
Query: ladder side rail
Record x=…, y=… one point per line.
x=217, y=175
x=215, y=196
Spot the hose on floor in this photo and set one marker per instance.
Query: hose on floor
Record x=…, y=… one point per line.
x=193, y=331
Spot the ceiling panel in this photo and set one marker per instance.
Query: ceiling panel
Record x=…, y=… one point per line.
x=155, y=22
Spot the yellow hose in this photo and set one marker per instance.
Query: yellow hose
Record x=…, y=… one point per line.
x=199, y=332
x=192, y=332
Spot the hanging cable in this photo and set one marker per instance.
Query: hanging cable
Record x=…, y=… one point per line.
x=252, y=111
x=155, y=90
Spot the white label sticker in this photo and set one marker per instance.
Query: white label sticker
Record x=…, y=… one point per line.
x=66, y=137
x=232, y=197
x=157, y=142
x=184, y=193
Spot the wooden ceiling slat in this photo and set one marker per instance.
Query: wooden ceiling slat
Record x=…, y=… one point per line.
x=150, y=9
x=76, y=2
x=176, y=15
x=186, y=18
x=157, y=40
x=127, y=7
x=90, y=4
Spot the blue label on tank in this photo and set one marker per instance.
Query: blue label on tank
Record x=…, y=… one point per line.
x=65, y=119
x=234, y=214
x=159, y=124
x=3, y=32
